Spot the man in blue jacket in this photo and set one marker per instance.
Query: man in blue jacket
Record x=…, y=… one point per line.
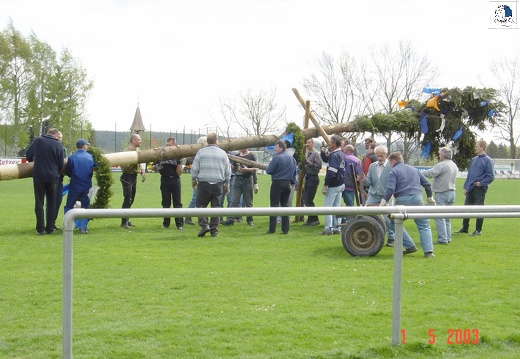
x=79, y=168
x=480, y=176
x=47, y=154
x=404, y=183
x=282, y=169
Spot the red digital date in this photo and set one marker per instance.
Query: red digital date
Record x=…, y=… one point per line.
x=462, y=336
x=454, y=336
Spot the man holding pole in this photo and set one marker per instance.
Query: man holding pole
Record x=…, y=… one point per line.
x=311, y=169
x=129, y=179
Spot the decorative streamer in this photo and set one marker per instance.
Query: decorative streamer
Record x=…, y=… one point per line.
x=424, y=123
x=431, y=91
x=443, y=123
x=402, y=103
x=433, y=102
x=288, y=137
x=457, y=134
x=426, y=149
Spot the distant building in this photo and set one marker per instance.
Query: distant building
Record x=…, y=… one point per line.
x=137, y=125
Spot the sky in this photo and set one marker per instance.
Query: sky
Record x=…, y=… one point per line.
x=177, y=59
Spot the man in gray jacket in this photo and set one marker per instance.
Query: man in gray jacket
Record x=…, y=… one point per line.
x=444, y=175
x=375, y=181
x=210, y=175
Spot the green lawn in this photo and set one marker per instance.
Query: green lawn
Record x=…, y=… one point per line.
x=150, y=292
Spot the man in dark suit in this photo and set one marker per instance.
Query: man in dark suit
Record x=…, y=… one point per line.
x=47, y=154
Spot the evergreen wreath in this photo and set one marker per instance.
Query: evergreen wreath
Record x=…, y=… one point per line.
x=103, y=177
x=298, y=142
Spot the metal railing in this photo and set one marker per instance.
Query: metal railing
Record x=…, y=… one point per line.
x=398, y=213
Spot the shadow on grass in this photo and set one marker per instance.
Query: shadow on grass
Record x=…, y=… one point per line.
x=337, y=251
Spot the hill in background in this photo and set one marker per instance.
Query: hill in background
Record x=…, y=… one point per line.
x=113, y=141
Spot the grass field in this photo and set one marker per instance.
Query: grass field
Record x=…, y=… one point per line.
x=150, y=292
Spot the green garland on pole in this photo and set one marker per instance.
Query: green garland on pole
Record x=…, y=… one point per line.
x=462, y=110
x=103, y=177
x=298, y=143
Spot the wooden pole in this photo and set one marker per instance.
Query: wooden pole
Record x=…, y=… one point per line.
x=299, y=190
x=247, y=162
x=354, y=181
x=24, y=170
x=312, y=117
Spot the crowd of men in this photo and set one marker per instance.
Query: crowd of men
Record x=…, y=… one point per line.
x=378, y=179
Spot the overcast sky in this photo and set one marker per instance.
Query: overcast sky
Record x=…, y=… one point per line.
x=177, y=58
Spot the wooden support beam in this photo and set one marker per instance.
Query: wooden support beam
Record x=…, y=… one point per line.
x=312, y=117
x=299, y=190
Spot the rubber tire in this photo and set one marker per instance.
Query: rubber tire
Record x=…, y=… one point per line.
x=363, y=236
x=381, y=219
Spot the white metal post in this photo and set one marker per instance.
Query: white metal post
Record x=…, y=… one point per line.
x=398, y=275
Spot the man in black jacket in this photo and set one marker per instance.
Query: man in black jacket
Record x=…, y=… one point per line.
x=47, y=154
x=170, y=171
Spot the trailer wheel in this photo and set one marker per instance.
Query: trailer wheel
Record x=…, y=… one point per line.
x=363, y=236
x=381, y=219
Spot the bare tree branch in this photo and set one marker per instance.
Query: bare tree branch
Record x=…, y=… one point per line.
x=333, y=89
x=507, y=73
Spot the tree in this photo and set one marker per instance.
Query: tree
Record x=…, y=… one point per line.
x=399, y=75
x=492, y=150
x=256, y=112
x=343, y=90
x=333, y=89
x=446, y=119
x=43, y=64
x=227, y=119
x=16, y=77
x=68, y=90
x=39, y=91
x=507, y=73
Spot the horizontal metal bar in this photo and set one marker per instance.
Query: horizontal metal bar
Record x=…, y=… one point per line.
x=432, y=211
x=455, y=215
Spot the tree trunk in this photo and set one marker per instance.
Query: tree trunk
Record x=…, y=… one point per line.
x=24, y=170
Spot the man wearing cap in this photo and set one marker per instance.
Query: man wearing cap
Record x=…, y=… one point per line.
x=79, y=168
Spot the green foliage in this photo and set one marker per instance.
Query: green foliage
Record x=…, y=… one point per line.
x=103, y=178
x=401, y=121
x=461, y=109
x=299, y=141
x=500, y=151
x=40, y=89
